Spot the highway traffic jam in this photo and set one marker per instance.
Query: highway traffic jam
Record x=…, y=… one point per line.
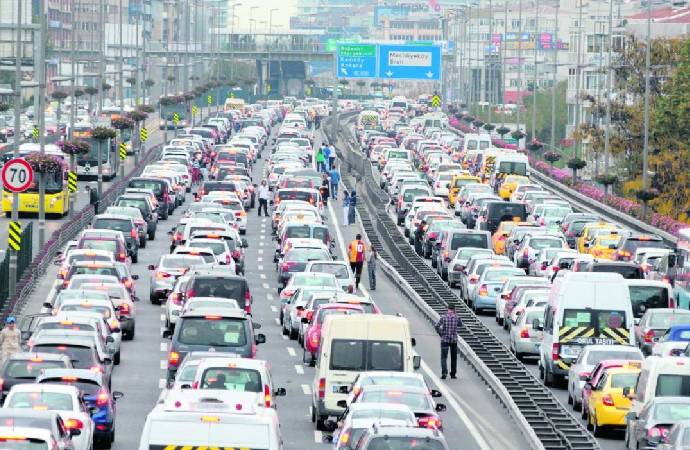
x=597, y=308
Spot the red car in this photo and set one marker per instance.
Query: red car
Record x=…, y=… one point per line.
x=312, y=337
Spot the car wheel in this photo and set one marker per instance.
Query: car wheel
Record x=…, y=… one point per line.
x=451, y=284
x=154, y=299
x=116, y=358
x=499, y=321
x=285, y=330
x=292, y=334
x=548, y=378
x=313, y=414
x=433, y=263
x=320, y=425
x=444, y=274
x=135, y=258
x=505, y=324
x=152, y=236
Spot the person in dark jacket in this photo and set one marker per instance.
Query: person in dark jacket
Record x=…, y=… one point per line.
x=351, y=210
x=93, y=196
x=418, y=236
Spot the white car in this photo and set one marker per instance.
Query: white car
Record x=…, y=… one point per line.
x=174, y=304
x=219, y=248
x=341, y=270
x=64, y=400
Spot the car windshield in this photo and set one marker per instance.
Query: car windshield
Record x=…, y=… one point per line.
x=223, y=332
x=360, y=355
x=541, y=243
x=496, y=275
x=412, y=193
x=52, y=401
x=82, y=357
x=66, y=325
x=232, y=379
x=671, y=412
x=133, y=202
x=595, y=357
x=379, y=413
x=650, y=297
x=306, y=254
x=100, y=244
x=29, y=369
x=414, y=400
x=666, y=319
x=623, y=380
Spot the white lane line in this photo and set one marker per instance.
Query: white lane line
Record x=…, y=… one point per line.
x=259, y=259
x=164, y=364
x=162, y=317
x=269, y=296
x=299, y=369
x=262, y=276
x=164, y=346
x=306, y=389
x=260, y=251
x=277, y=321
x=260, y=267
x=261, y=244
x=318, y=437
x=162, y=382
x=264, y=220
x=265, y=286
x=462, y=415
x=285, y=338
x=291, y=351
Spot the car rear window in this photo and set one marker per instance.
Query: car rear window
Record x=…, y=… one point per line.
x=100, y=244
x=29, y=369
x=52, y=401
x=648, y=296
x=113, y=224
x=628, y=272
x=86, y=386
x=232, y=379
x=506, y=211
x=632, y=244
x=82, y=357
x=665, y=320
x=340, y=271
x=476, y=240
x=223, y=332
x=234, y=288
x=151, y=185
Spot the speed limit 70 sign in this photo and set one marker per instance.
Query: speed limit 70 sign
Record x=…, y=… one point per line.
x=17, y=175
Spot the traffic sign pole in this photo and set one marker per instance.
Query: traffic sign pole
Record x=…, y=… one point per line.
x=12, y=285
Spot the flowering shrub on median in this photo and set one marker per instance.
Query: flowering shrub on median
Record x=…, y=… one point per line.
x=624, y=205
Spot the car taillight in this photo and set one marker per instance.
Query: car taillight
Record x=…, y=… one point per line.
x=483, y=291
x=236, y=254
x=286, y=265
x=267, y=396
x=173, y=359
x=247, y=301
x=161, y=275
x=65, y=283
x=649, y=336
x=310, y=315
x=102, y=399
x=122, y=256
x=124, y=309
x=128, y=283
x=607, y=400
x=446, y=256
x=177, y=237
x=133, y=233
x=429, y=422
x=555, y=349
x=2, y=383
x=473, y=279
x=524, y=333
x=74, y=424
x=432, y=235
x=322, y=387
x=657, y=434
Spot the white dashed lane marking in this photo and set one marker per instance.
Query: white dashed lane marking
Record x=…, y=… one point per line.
x=299, y=369
x=164, y=346
x=306, y=389
x=291, y=351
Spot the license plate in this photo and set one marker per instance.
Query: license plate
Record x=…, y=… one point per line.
x=570, y=351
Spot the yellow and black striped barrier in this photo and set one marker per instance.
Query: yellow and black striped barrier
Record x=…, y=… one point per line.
x=14, y=236
x=195, y=110
x=176, y=119
x=34, y=133
x=144, y=134
x=72, y=181
x=209, y=100
x=123, y=150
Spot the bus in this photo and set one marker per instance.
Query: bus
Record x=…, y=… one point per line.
x=57, y=195
x=87, y=165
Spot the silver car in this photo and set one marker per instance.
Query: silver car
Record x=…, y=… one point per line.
x=460, y=260
x=589, y=357
x=525, y=340
x=168, y=269
x=341, y=269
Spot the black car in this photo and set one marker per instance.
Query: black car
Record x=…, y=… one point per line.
x=497, y=212
x=629, y=271
x=219, y=283
x=161, y=188
x=124, y=224
x=24, y=367
x=630, y=243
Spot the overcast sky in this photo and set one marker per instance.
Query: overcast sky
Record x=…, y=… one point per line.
x=281, y=18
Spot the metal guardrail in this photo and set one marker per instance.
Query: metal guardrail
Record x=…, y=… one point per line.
x=544, y=421
x=44, y=258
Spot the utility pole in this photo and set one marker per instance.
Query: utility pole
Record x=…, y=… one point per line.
x=121, y=88
x=490, y=66
x=73, y=109
x=41, y=114
x=647, y=63
x=101, y=65
x=609, y=73
x=503, y=64
x=534, y=79
x=578, y=69
x=553, y=79
x=518, y=100
x=17, y=133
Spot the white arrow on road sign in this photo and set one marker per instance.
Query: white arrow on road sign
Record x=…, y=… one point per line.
x=343, y=70
x=429, y=74
x=389, y=73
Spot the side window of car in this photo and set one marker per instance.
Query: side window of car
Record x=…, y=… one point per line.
x=602, y=382
x=548, y=319
x=61, y=427
x=640, y=387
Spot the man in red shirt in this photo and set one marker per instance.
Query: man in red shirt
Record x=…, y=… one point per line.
x=356, y=252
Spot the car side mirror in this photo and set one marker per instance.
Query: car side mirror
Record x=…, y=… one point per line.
x=626, y=392
x=170, y=233
x=440, y=407
x=256, y=325
x=260, y=339
x=280, y=392
x=186, y=386
x=245, y=243
x=305, y=320
x=586, y=245
x=416, y=362
x=342, y=404
x=167, y=334
x=26, y=335
x=48, y=305
x=74, y=432
x=413, y=341
x=135, y=277
x=435, y=394
x=117, y=395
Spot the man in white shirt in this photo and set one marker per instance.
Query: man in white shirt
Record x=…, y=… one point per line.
x=264, y=196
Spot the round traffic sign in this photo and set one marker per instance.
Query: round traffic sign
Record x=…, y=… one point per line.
x=17, y=175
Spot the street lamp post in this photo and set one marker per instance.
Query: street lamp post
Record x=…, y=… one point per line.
x=268, y=46
x=121, y=88
x=609, y=73
x=554, y=77
x=534, y=78
x=645, y=148
x=17, y=126
x=42, y=81
x=518, y=100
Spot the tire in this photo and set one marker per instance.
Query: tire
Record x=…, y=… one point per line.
x=152, y=236
x=116, y=358
x=444, y=274
x=451, y=284
x=320, y=426
x=154, y=300
x=548, y=378
x=142, y=243
x=292, y=334
x=313, y=414
x=135, y=258
x=500, y=321
x=433, y=263
x=285, y=330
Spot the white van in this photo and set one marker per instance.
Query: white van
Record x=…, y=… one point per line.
x=510, y=163
x=194, y=418
x=354, y=344
x=473, y=141
x=584, y=308
x=661, y=377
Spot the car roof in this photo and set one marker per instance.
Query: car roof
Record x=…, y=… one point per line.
x=226, y=313
x=21, y=356
x=83, y=374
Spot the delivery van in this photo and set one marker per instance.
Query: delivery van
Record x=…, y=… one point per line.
x=354, y=344
x=584, y=309
x=194, y=418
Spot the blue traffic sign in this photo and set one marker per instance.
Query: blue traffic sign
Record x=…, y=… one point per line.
x=356, y=60
x=410, y=62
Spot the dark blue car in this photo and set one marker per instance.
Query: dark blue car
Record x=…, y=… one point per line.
x=97, y=397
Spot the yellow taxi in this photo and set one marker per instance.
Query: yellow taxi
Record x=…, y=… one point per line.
x=604, y=246
x=457, y=183
x=588, y=233
x=498, y=239
x=509, y=184
x=607, y=405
